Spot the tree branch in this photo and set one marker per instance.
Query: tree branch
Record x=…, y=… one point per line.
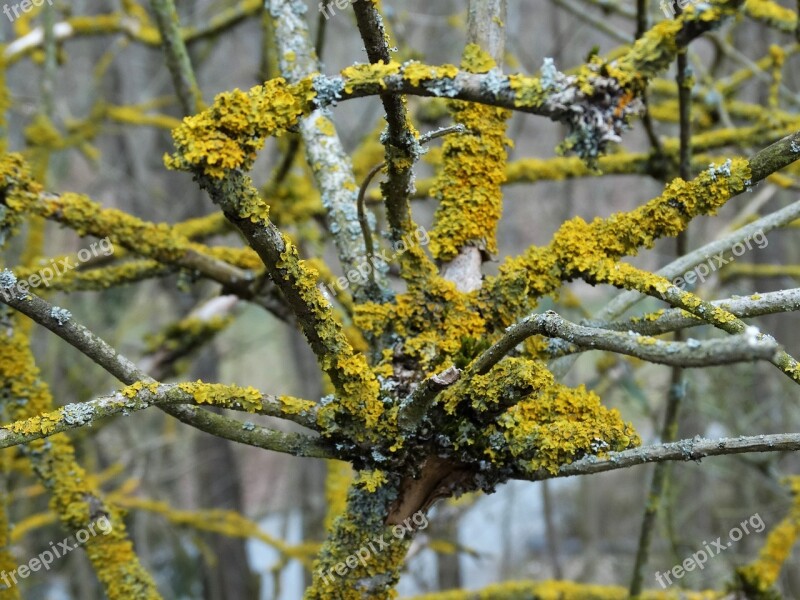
x=741, y=306
x=325, y=154
x=739, y=348
x=178, y=62
x=684, y=450
x=61, y=323
x=402, y=147
x=681, y=265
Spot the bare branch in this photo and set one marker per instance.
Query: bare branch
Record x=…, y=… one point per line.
x=178, y=62
x=739, y=348
x=741, y=306
x=684, y=450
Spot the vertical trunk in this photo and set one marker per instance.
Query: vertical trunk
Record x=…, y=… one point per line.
x=218, y=477
x=312, y=477
x=446, y=528
x=362, y=557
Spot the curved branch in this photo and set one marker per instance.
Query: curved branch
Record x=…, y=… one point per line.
x=745, y=347
x=694, y=449
x=740, y=306
x=61, y=323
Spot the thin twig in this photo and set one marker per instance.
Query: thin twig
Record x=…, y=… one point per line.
x=64, y=326
x=178, y=62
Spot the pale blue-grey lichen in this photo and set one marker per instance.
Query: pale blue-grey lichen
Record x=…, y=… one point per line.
x=551, y=77
x=723, y=169
x=445, y=87
x=329, y=89
x=78, y=414
x=594, y=119
x=495, y=83
x=7, y=279
x=61, y=315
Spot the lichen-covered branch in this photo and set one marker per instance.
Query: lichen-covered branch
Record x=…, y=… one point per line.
x=743, y=307
x=596, y=103
x=548, y=590
x=178, y=62
x=73, y=498
x=137, y=30
x=60, y=322
x=758, y=578
x=590, y=250
x=225, y=522
x=400, y=138
x=694, y=449
x=682, y=264
x=693, y=353
x=332, y=168
x=140, y=397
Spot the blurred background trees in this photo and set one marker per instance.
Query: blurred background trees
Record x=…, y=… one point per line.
x=90, y=103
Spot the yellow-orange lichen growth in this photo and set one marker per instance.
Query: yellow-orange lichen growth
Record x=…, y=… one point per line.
x=759, y=577
x=469, y=186
x=72, y=496
x=230, y=132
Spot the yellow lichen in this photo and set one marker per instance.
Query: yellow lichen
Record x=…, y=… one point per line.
x=469, y=187
x=73, y=497
x=759, y=577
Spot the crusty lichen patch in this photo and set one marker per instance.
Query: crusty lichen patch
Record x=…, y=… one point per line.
x=468, y=187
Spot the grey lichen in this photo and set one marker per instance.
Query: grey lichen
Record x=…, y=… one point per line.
x=329, y=89
x=7, y=279
x=551, y=77
x=61, y=315
x=495, y=83
x=595, y=119
x=77, y=414
x=723, y=169
x=445, y=87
